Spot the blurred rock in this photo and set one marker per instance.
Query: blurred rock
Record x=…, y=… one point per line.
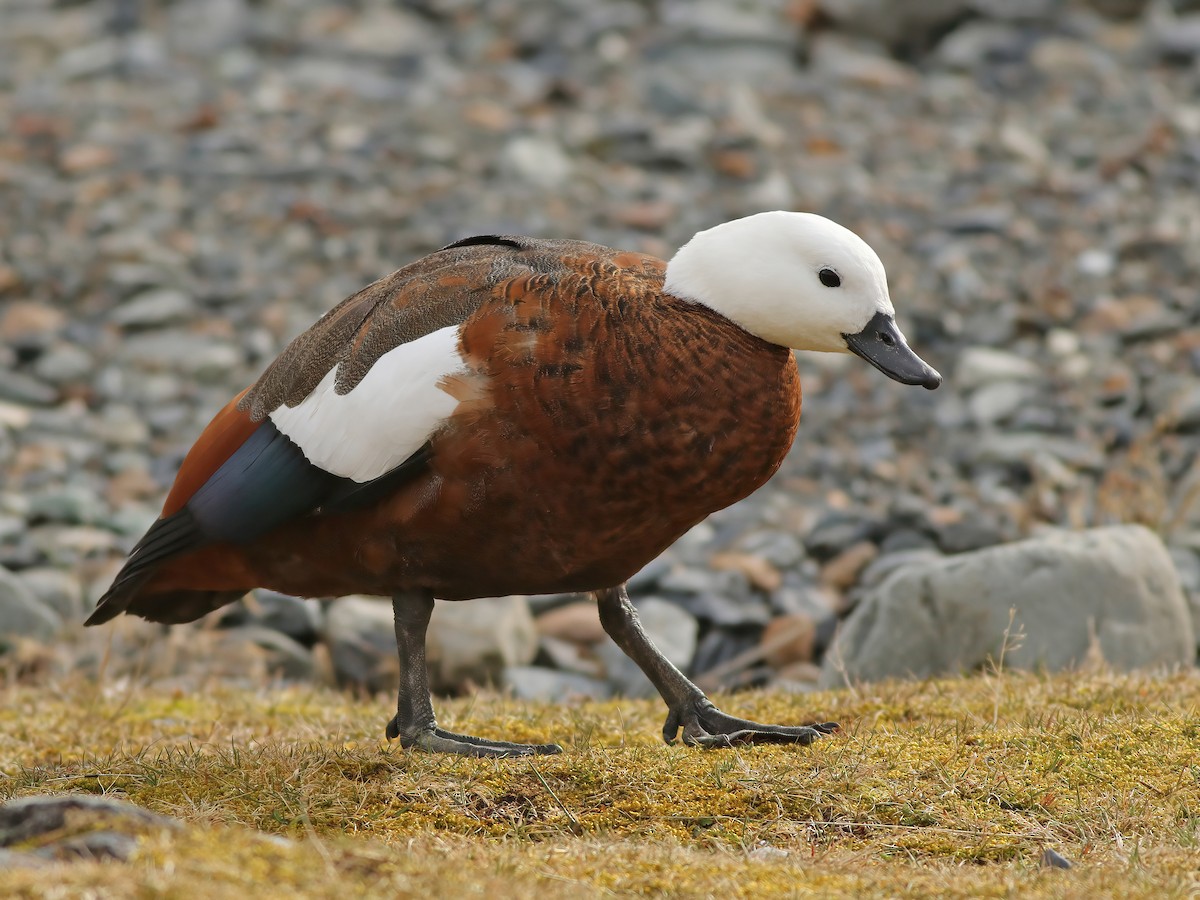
x=841, y=572
x=283, y=657
x=75, y=827
x=576, y=622
x=551, y=686
x=153, y=308
x=57, y=590
x=22, y=614
x=298, y=619
x=1115, y=586
x=981, y=366
x=474, y=641
x=908, y=28
x=788, y=639
x=360, y=635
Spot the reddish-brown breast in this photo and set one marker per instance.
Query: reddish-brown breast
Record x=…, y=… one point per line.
x=599, y=419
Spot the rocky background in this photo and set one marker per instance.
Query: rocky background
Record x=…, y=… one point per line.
x=184, y=186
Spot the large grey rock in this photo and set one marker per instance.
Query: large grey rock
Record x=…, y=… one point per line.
x=22, y=614
x=475, y=641
x=948, y=616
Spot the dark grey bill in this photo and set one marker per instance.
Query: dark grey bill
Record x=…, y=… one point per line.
x=883, y=346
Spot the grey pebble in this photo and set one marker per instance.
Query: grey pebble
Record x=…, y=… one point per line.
x=552, y=685
x=22, y=613
x=154, y=308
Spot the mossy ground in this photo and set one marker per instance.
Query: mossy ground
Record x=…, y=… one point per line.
x=947, y=788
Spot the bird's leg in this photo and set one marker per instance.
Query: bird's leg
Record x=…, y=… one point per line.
x=702, y=723
x=414, y=723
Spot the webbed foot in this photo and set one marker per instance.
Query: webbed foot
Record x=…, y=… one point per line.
x=706, y=726
x=438, y=740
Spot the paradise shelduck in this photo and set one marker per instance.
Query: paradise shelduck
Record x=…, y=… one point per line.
x=511, y=415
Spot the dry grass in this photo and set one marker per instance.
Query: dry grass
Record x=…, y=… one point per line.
x=949, y=788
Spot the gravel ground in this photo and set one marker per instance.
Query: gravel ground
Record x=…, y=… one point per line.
x=185, y=186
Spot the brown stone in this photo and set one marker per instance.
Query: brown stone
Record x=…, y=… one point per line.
x=86, y=158
x=578, y=623
x=788, y=639
x=842, y=571
x=759, y=571
x=22, y=319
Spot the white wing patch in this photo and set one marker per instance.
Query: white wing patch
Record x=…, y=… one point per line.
x=386, y=417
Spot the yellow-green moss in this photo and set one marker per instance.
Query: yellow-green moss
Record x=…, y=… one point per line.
x=951, y=788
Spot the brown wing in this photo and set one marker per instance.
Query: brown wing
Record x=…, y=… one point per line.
x=436, y=291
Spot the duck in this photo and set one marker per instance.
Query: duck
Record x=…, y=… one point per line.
x=516, y=415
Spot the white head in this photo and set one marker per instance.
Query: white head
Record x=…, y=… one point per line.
x=801, y=281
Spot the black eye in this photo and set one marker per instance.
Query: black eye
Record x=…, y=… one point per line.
x=830, y=278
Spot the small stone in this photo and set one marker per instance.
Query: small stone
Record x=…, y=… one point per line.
x=299, y=619
x=153, y=309
x=22, y=614
x=56, y=589
x=780, y=548
x=360, y=634
x=26, y=390
x=814, y=600
x=967, y=535
x=84, y=158
x=841, y=572
x=836, y=531
x=63, y=363
x=909, y=27
x=1096, y=263
x=788, y=639
x=576, y=622
x=716, y=649
x=32, y=817
x=768, y=853
x=1051, y=859
x=537, y=160
x=474, y=641
x=757, y=570
x=979, y=366
x=1178, y=37
x=551, y=686
x=96, y=846
x=847, y=61
x=23, y=322
x=568, y=656
x=70, y=504
x=283, y=657
x=906, y=538
x=996, y=402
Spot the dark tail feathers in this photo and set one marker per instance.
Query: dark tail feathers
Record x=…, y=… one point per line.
x=166, y=539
